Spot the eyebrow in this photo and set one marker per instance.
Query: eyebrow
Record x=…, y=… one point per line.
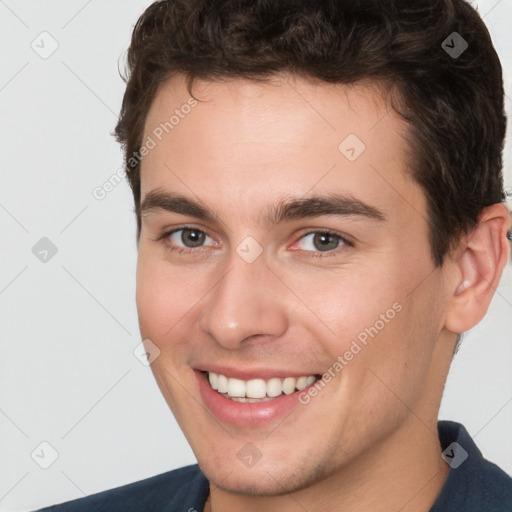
x=286, y=210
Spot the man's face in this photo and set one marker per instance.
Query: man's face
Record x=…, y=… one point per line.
x=314, y=252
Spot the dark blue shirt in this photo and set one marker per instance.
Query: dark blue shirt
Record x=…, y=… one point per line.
x=473, y=485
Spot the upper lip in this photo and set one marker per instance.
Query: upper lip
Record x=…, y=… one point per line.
x=253, y=373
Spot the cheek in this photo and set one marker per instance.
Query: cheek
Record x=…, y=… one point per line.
x=151, y=299
x=163, y=297
x=167, y=296
x=343, y=304
x=367, y=318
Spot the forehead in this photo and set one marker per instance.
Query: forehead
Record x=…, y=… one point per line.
x=244, y=140
x=262, y=107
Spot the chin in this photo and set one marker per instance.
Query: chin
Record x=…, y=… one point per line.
x=265, y=480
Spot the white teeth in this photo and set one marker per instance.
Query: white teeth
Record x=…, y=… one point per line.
x=301, y=383
x=274, y=387
x=236, y=387
x=250, y=400
x=304, y=382
x=289, y=385
x=222, y=384
x=256, y=390
x=214, y=380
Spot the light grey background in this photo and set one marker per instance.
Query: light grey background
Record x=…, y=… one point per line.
x=68, y=375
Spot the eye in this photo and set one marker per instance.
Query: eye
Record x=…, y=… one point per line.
x=322, y=241
x=186, y=238
x=189, y=237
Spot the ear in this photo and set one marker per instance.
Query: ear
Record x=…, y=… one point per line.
x=476, y=270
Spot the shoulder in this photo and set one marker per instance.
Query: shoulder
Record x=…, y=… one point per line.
x=181, y=489
x=473, y=482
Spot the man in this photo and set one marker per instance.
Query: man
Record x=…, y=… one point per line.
x=319, y=200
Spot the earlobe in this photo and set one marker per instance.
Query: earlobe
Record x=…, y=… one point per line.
x=477, y=270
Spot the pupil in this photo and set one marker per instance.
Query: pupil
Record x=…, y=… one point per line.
x=192, y=237
x=325, y=242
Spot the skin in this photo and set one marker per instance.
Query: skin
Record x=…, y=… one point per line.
x=368, y=440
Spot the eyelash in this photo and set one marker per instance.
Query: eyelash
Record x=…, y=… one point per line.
x=313, y=254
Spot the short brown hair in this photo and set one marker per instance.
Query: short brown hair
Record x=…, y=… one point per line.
x=454, y=104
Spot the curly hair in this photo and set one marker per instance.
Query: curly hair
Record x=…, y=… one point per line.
x=453, y=102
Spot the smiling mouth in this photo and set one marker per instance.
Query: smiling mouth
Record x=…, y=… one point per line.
x=257, y=390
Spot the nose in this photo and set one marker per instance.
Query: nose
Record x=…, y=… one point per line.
x=247, y=303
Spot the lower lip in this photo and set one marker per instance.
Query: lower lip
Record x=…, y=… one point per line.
x=246, y=414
